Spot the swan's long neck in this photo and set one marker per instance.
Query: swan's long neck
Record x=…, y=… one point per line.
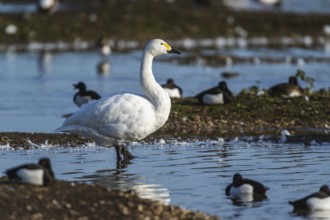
x=153, y=91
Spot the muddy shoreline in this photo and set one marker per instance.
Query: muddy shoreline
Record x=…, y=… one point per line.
x=247, y=115
x=69, y=200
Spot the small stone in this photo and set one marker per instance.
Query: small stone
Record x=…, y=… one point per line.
x=29, y=208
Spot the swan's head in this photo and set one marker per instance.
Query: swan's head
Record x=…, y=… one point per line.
x=158, y=47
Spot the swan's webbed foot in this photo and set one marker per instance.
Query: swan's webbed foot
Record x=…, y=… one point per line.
x=122, y=150
x=127, y=155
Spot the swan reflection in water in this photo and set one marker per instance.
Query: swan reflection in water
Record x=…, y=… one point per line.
x=120, y=179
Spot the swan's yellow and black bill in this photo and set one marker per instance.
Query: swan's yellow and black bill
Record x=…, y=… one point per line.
x=174, y=51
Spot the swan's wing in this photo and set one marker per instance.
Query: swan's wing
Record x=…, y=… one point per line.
x=123, y=116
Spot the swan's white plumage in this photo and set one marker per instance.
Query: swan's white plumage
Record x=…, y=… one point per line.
x=125, y=117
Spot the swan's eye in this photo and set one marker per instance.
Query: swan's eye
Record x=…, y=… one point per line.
x=161, y=44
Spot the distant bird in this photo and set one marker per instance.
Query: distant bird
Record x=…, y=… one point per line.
x=47, y=6
x=40, y=174
x=276, y=3
x=216, y=95
x=173, y=90
x=114, y=120
x=83, y=96
x=315, y=201
x=284, y=136
x=287, y=90
x=104, y=46
x=241, y=185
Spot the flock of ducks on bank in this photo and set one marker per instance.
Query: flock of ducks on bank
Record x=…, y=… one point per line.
x=219, y=94
x=241, y=189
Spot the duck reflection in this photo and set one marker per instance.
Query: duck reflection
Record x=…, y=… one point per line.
x=103, y=67
x=45, y=62
x=243, y=199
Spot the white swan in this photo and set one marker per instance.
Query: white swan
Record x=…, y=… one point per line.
x=113, y=120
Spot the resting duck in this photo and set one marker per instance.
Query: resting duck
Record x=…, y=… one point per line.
x=40, y=174
x=315, y=201
x=216, y=95
x=47, y=6
x=173, y=90
x=241, y=185
x=287, y=90
x=83, y=96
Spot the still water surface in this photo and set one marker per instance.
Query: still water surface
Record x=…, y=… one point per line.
x=194, y=174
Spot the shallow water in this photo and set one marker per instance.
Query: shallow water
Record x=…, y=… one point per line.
x=194, y=174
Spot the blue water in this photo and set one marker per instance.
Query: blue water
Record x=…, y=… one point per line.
x=194, y=174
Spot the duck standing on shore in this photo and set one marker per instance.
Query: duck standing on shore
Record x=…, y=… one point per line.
x=36, y=174
x=173, y=90
x=215, y=95
x=83, y=96
x=104, y=46
x=287, y=90
x=115, y=120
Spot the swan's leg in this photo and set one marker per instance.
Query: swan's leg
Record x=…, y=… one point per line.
x=127, y=155
x=118, y=150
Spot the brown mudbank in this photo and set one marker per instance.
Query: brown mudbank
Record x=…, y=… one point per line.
x=246, y=115
x=65, y=200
